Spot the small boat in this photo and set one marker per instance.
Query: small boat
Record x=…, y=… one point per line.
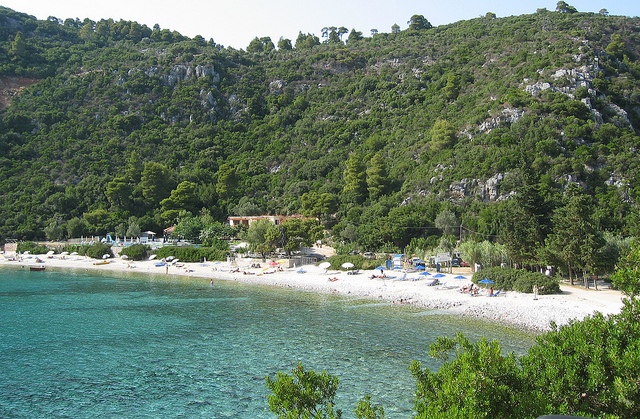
x=101, y=262
x=36, y=268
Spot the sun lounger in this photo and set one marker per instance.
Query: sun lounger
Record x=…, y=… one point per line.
x=495, y=294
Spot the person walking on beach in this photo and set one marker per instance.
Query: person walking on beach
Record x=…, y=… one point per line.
x=535, y=291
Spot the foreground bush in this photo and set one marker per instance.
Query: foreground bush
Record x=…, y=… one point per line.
x=588, y=368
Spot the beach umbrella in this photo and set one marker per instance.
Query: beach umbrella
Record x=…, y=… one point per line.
x=347, y=265
x=74, y=253
x=273, y=263
x=124, y=257
x=380, y=268
x=105, y=256
x=425, y=273
x=64, y=253
x=460, y=277
x=170, y=258
x=486, y=281
x=439, y=275
x=50, y=253
x=324, y=265
x=152, y=257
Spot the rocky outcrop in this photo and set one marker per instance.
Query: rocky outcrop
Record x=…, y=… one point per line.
x=506, y=116
x=181, y=72
x=487, y=191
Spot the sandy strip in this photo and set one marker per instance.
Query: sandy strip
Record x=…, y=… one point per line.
x=510, y=307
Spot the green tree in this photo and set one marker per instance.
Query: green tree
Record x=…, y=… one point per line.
x=256, y=236
x=478, y=383
x=627, y=277
x=320, y=205
x=447, y=222
x=227, y=181
x=77, y=227
x=182, y=198
x=118, y=192
x=98, y=221
x=18, y=48
x=156, y=183
x=418, y=23
x=563, y=7
x=304, y=394
x=574, y=239
x=284, y=44
x=442, y=135
x=355, y=183
x=376, y=176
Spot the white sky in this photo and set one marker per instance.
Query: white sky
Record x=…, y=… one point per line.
x=235, y=23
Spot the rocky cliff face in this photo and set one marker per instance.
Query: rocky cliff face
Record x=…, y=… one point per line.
x=181, y=72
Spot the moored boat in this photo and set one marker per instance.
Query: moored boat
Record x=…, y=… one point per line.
x=36, y=268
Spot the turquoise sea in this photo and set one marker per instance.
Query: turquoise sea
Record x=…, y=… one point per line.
x=83, y=344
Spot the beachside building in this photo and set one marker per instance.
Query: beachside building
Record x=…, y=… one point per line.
x=247, y=220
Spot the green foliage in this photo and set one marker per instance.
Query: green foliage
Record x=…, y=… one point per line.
x=588, y=368
x=479, y=382
x=519, y=280
x=136, y=251
x=191, y=253
x=359, y=262
x=627, y=277
x=375, y=136
x=303, y=394
x=365, y=410
x=31, y=247
x=95, y=250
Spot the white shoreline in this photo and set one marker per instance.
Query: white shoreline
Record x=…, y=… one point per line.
x=511, y=307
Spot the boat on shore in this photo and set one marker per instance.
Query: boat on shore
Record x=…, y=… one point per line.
x=101, y=262
x=36, y=268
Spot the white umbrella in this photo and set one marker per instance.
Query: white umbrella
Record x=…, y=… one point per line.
x=64, y=253
x=124, y=257
x=50, y=253
x=152, y=257
x=347, y=265
x=105, y=256
x=324, y=265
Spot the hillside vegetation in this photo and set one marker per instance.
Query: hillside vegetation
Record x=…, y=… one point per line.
x=521, y=131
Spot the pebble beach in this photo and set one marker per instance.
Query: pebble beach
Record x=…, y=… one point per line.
x=513, y=308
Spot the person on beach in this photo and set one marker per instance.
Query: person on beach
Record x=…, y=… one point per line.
x=490, y=291
x=535, y=291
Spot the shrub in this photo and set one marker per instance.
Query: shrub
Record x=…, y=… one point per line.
x=191, y=254
x=520, y=280
x=136, y=251
x=31, y=247
x=96, y=250
x=359, y=262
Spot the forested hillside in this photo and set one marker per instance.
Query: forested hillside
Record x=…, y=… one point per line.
x=518, y=130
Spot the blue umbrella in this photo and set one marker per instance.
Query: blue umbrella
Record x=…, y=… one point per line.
x=425, y=273
x=439, y=276
x=382, y=268
x=460, y=277
x=486, y=281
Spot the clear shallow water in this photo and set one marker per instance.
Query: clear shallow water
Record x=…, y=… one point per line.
x=86, y=345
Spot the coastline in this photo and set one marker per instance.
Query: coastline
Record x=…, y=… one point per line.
x=512, y=308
